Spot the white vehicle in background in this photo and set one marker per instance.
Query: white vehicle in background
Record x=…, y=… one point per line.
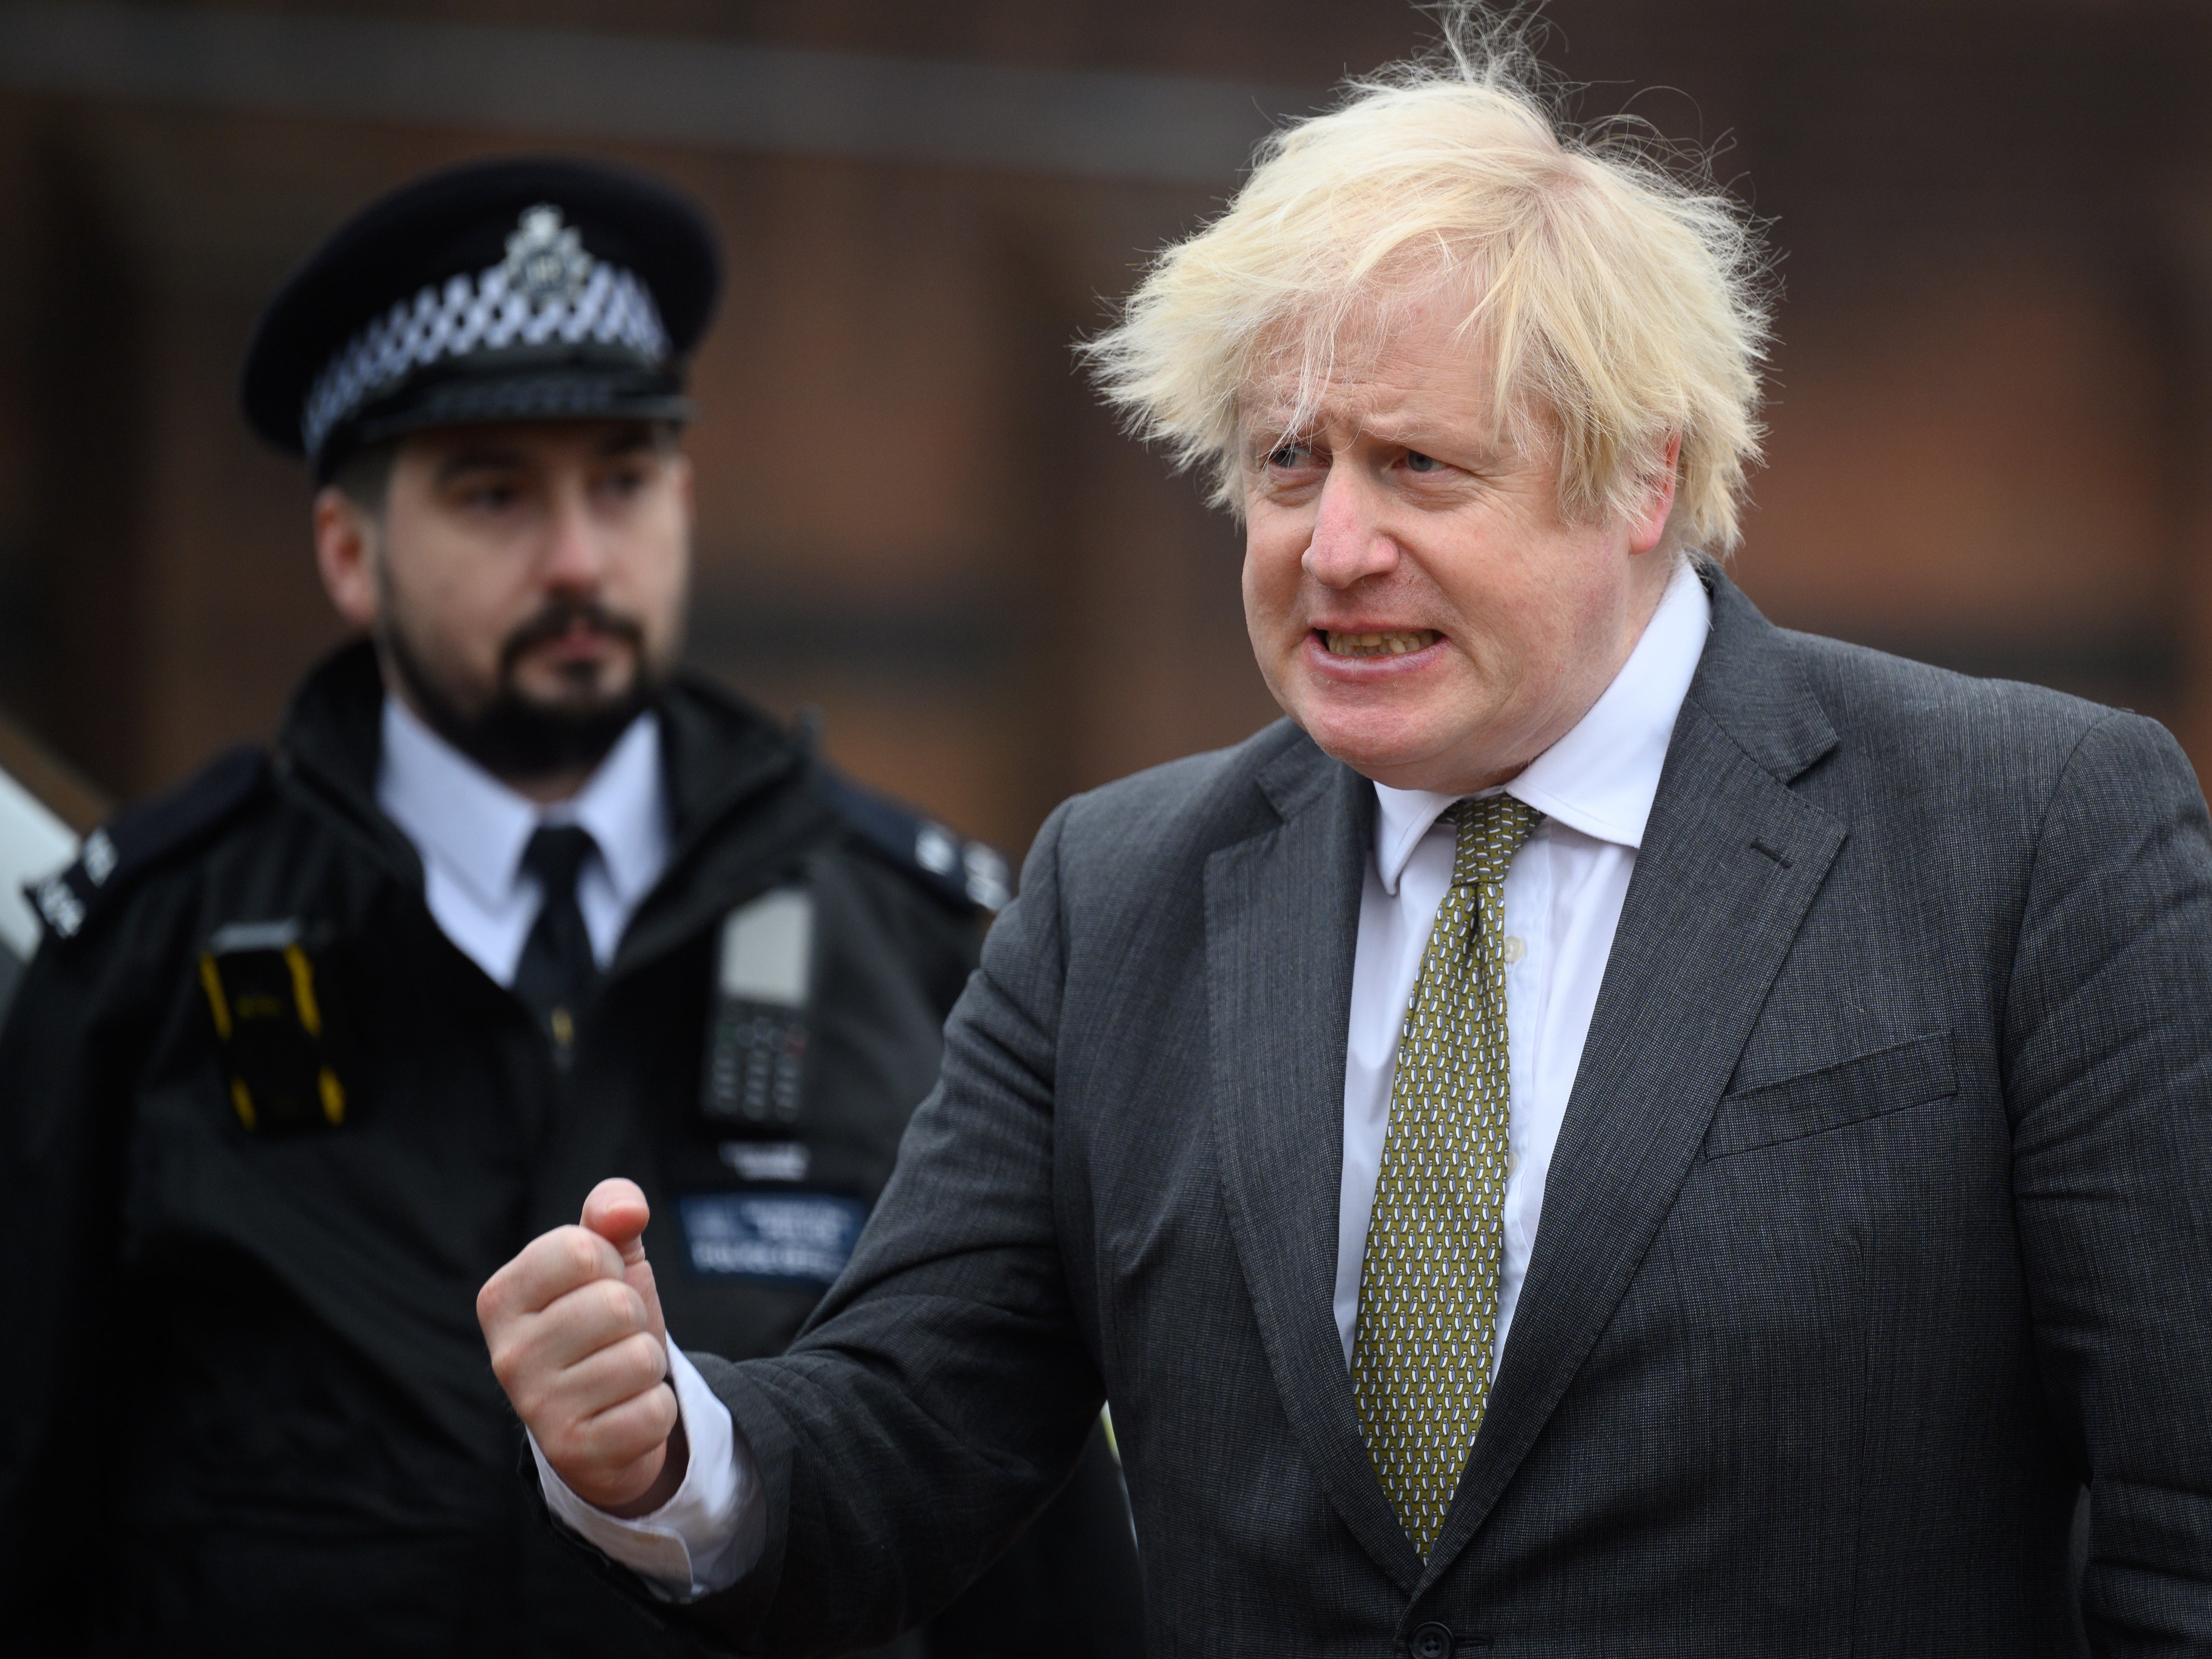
x=34, y=843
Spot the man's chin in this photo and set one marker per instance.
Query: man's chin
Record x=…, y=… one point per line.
x=521, y=739
x=1385, y=756
x=572, y=705
x=577, y=687
x=1403, y=755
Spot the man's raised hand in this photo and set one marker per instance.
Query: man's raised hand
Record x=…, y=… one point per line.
x=577, y=1341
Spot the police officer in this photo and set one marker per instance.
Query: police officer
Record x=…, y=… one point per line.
x=316, y=1043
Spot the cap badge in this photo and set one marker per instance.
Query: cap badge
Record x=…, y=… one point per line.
x=545, y=259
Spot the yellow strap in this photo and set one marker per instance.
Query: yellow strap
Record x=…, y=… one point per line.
x=303, y=989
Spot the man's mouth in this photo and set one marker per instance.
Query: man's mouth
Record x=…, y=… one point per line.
x=1395, y=643
x=570, y=631
x=579, y=639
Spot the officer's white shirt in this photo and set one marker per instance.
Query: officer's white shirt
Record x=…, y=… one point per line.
x=471, y=830
x=1562, y=902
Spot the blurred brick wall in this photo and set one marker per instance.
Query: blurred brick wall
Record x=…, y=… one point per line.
x=1989, y=428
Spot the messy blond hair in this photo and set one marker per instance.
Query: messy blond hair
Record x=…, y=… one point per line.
x=1619, y=298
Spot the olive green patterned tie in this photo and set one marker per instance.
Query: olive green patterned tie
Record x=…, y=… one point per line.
x=1428, y=1289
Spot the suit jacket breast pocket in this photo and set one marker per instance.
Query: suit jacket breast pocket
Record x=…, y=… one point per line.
x=1892, y=1079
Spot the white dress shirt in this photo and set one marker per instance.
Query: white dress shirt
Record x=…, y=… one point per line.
x=1562, y=901
x=471, y=830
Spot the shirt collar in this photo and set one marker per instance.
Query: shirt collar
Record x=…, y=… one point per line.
x=473, y=826
x=625, y=808
x=1600, y=778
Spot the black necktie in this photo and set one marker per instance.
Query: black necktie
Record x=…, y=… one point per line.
x=556, y=973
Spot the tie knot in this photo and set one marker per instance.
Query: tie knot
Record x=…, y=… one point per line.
x=1491, y=831
x=556, y=854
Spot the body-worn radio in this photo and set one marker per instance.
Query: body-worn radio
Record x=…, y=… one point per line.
x=273, y=1015
x=773, y=1228
x=756, y=1037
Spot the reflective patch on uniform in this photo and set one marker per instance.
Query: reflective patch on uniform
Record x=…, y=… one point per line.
x=61, y=907
x=990, y=883
x=783, y=1239
x=936, y=849
x=99, y=856
x=768, y=1160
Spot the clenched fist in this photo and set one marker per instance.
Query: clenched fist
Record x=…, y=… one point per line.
x=577, y=1341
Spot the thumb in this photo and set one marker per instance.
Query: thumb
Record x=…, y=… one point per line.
x=617, y=1212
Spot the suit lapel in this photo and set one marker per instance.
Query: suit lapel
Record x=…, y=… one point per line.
x=1731, y=859
x=1282, y=919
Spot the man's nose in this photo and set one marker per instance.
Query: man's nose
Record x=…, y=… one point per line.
x=1349, y=543
x=575, y=552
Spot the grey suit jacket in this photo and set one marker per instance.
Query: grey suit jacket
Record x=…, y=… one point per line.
x=1880, y=1218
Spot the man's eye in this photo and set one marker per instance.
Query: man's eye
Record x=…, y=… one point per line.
x=1288, y=455
x=1416, y=462
x=492, y=498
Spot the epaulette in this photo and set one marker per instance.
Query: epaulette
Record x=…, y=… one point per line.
x=143, y=837
x=967, y=871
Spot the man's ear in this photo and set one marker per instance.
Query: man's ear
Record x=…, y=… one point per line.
x=349, y=541
x=1649, y=528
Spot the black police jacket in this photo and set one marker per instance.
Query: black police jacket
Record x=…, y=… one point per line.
x=264, y=1131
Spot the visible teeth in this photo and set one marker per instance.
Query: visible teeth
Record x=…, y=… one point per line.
x=1379, y=644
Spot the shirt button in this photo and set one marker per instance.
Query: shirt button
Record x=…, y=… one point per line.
x=1512, y=1163
x=1515, y=947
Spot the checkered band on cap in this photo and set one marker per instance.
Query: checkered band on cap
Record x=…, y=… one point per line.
x=606, y=305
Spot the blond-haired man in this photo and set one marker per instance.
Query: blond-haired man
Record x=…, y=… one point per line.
x=1612, y=1129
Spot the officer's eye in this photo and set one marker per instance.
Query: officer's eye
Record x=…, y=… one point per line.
x=1416, y=462
x=489, y=495
x=1289, y=455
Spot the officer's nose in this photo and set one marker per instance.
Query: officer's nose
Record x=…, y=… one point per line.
x=575, y=556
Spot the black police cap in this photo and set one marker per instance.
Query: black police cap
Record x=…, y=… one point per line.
x=532, y=289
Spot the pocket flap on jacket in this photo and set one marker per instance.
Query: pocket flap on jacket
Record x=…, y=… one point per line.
x=1903, y=1075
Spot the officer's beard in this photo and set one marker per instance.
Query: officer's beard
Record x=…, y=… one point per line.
x=514, y=737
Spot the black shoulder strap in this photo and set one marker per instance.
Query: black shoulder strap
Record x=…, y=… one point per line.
x=967, y=873
x=142, y=837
